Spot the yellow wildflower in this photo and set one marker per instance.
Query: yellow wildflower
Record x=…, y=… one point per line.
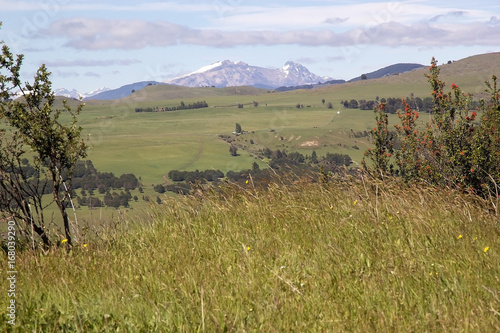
x=248, y=248
x=486, y=249
x=246, y=181
x=459, y=236
x=355, y=202
x=64, y=241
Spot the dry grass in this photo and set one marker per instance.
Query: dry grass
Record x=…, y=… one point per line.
x=299, y=256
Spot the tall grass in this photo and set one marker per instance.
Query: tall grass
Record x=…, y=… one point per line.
x=340, y=256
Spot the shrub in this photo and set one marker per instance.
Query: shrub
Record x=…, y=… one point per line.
x=452, y=149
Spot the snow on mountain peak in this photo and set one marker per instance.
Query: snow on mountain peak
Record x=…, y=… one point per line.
x=76, y=94
x=207, y=68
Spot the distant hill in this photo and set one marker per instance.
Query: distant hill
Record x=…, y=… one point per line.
x=310, y=86
x=173, y=92
x=468, y=73
x=386, y=71
x=123, y=91
x=389, y=70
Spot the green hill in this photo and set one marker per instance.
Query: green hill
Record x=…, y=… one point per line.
x=469, y=74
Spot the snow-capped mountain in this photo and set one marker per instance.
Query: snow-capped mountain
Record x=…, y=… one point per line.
x=227, y=73
x=76, y=94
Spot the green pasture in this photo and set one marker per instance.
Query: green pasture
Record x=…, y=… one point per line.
x=151, y=144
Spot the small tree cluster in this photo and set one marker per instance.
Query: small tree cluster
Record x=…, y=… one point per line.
x=116, y=200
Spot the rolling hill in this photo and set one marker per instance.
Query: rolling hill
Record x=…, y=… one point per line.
x=123, y=91
x=395, y=69
x=469, y=74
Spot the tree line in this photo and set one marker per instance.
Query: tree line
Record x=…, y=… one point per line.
x=392, y=105
x=182, y=106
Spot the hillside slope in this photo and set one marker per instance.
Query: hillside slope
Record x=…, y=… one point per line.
x=469, y=74
x=395, y=69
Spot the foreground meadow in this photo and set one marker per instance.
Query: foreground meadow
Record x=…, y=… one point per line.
x=300, y=256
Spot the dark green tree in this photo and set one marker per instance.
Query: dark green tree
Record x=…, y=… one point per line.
x=314, y=157
x=238, y=128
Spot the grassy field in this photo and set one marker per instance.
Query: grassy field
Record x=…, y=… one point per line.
x=357, y=255
x=308, y=257
x=151, y=144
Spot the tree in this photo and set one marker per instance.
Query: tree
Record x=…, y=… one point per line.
x=323, y=101
x=233, y=150
x=159, y=188
x=353, y=104
x=54, y=146
x=238, y=128
x=363, y=77
x=314, y=157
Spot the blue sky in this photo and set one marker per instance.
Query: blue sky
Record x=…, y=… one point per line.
x=89, y=44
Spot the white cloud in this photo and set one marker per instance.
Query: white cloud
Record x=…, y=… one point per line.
x=92, y=74
x=71, y=5
x=91, y=63
x=97, y=34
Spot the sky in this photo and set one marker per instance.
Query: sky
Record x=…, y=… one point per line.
x=88, y=44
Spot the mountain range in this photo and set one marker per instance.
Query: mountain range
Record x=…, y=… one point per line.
x=227, y=74
x=76, y=94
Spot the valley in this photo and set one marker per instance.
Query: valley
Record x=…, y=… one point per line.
x=151, y=144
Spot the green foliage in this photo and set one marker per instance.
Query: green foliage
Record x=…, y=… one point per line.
x=453, y=149
x=383, y=139
x=32, y=121
x=159, y=188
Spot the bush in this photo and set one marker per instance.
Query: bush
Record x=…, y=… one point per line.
x=453, y=149
x=159, y=188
